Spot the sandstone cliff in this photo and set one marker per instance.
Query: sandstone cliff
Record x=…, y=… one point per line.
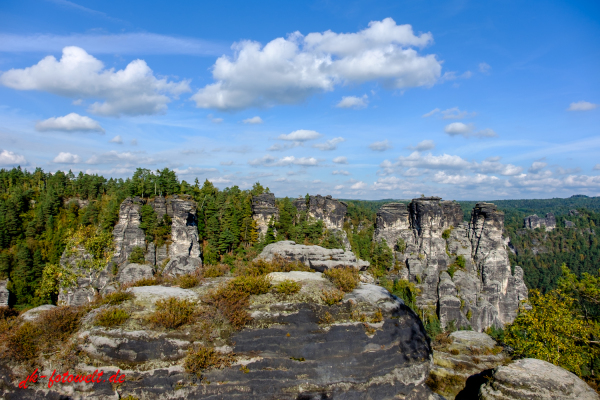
x=263, y=209
x=327, y=209
x=533, y=222
x=4, y=293
x=462, y=270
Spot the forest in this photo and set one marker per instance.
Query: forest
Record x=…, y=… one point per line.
x=40, y=211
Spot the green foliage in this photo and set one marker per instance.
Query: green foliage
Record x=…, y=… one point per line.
x=400, y=245
x=172, y=313
x=333, y=296
x=345, y=279
x=214, y=271
x=288, y=287
x=111, y=317
x=496, y=333
x=188, y=281
x=446, y=234
x=405, y=290
x=200, y=358
x=137, y=256
x=115, y=298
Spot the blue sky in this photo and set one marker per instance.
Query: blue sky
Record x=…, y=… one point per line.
x=363, y=99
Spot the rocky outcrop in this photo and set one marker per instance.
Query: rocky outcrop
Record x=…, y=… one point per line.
x=184, y=229
x=461, y=269
x=368, y=346
x=182, y=265
x=4, y=293
x=327, y=209
x=34, y=313
x=135, y=272
x=316, y=257
x=263, y=210
x=533, y=222
x=127, y=233
x=530, y=378
x=569, y=224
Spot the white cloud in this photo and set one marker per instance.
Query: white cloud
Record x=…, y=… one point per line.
x=219, y=180
x=69, y=123
x=10, y=158
x=423, y=145
x=485, y=133
x=492, y=165
x=289, y=70
x=464, y=180
x=582, y=106
x=338, y=187
x=340, y=160
x=226, y=163
x=330, y=144
x=301, y=135
x=194, y=171
x=117, y=139
x=429, y=161
x=430, y=113
x=359, y=185
x=124, y=157
x=537, y=166
x=353, y=102
x=597, y=167
x=466, y=130
x=340, y=172
x=286, y=146
x=484, y=68
x=130, y=91
x=253, y=120
x=66, y=158
x=268, y=161
x=213, y=119
x=450, y=113
x=380, y=146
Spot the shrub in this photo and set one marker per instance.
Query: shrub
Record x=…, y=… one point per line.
x=377, y=317
x=446, y=234
x=277, y=264
x=444, y=383
x=288, y=287
x=171, y=313
x=7, y=312
x=214, y=271
x=251, y=284
x=400, y=245
x=136, y=256
x=201, y=358
x=331, y=297
x=345, y=279
x=451, y=270
x=146, y=282
x=461, y=262
x=111, y=317
x=187, y=281
x=326, y=318
x=115, y=298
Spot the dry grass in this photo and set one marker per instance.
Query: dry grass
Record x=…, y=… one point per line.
x=377, y=317
x=214, y=271
x=187, y=281
x=7, y=312
x=288, y=287
x=201, y=358
x=278, y=264
x=326, y=318
x=345, y=279
x=144, y=282
x=171, y=313
x=115, y=298
x=444, y=384
x=111, y=317
x=333, y=296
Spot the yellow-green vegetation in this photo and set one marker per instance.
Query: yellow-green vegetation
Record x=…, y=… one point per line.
x=277, y=264
x=214, y=271
x=115, y=298
x=333, y=296
x=326, y=318
x=345, y=279
x=561, y=326
x=232, y=299
x=187, y=281
x=171, y=313
x=377, y=317
x=201, y=358
x=111, y=317
x=26, y=340
x=458, y=264
x=137, y=256
x=288, y=287
x=146, y=282
x=446, y=233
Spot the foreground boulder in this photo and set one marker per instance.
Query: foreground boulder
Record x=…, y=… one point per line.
x=315, y=257
x=534, y=379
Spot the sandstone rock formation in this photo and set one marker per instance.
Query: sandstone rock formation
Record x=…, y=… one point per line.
x=127, y=233
x=569, y=224
x=327, y=209
x=534, y=379
x=316, y=257
x=430, y=237
x=135, y=272
x=533, y=222
x=34, y=313
x=4, y=293
x=263, y=209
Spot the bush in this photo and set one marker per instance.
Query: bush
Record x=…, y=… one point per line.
x=7, y=312
x=115, y=298
x=251, y=284
x=146, y=282
x=214, y=271
x=405, y=290
x=288, y=287
x=172, y=313
x=331, y=297
x=22, y=342
x=461, y=262
x=446, y=234
x=201, y=358
x=277, y=264
x=136, y=256
x=345, y=279
x=111, y=317
x=188, y=281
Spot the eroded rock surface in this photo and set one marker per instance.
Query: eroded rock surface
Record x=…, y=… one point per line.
x=327, y=209
x=127, y=233
x=4, y=293
x=534, y=379
x=135, y=272
x=34, y=313
x=462, y=269
x=533, y=222
x=263, y=210
x=316, y=257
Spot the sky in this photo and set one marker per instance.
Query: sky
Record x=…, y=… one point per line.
x=466, y=100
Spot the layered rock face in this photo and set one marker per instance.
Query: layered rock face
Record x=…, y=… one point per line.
x=127, y=233
x=4, y=294
x=479, y=294
x=327, y=209
x=316, y=257
x=263, y=209
x=533, y=222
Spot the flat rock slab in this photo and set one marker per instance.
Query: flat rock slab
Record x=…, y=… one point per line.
x=152, y=294
x=34, y=313
x=376, y=295
x=296, y=276
x=135, y=272
x=472, y=338
x=535, y=379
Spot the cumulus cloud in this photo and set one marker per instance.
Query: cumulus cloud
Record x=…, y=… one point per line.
x=493, y=165
x=340, y=160
x=10, y=158
x=117, y=139
x=464, y=180
x=78, y=75
x=330, y=144
x=268, y=161
x=353, y=102
x=289, y=70
x=423, y=145
x=428, y=161
x=582, y=106
x=219, y=180
x=340, y=172
x=359, y=185
x=466, y=130
x=69, y=123
x=66, y=158
x=484, y=68
x=537, y=166
x=301, y=135
x=253, y=120
x=380, y=146
x=338, y=187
